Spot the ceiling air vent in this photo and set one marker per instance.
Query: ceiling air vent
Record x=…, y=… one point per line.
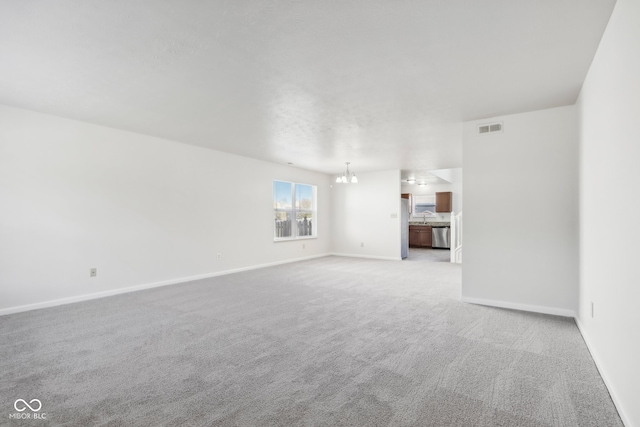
x=490, y=128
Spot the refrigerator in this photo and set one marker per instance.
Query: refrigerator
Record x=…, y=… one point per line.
x=404, y=224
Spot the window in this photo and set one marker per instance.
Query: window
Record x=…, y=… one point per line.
x=424, y=206
x=295, y=211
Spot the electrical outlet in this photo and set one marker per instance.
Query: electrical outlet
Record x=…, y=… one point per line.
x=218, y=256
x=93, y=272
x=303, y=246
x=362, y=244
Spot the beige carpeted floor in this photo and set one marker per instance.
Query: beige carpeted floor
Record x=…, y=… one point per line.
x=327, y=342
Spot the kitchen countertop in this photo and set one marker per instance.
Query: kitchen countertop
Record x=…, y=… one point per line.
x=431, y=223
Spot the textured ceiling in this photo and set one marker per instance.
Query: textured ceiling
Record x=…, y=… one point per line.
x=381, y=83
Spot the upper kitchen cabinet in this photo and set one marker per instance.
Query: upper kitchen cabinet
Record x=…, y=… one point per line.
x=443, y=201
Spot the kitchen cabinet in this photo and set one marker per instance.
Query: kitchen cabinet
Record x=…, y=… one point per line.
x=420, y=236
x=443, y=201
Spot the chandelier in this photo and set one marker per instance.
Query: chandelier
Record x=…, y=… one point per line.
x=347, y=177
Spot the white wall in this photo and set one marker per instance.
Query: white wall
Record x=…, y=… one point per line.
x=520, y=245
x=432, y=189
x=362, y=213
x=142, y=210
x=609, y=111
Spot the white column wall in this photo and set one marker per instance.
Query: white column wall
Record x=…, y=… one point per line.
x=520, y=196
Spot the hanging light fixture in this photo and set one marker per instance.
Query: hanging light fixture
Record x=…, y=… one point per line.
x=347, y=177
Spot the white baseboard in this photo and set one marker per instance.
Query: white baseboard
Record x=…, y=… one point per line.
x=387, y=258
x=523, y=307
x=135, y=288
x=603, y=373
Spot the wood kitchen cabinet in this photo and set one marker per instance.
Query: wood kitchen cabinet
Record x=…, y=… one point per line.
x=414, y=236
x=443, y=201
x=420, y=236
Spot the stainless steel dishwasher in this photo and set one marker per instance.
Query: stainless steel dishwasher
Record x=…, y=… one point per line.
x=441, y=236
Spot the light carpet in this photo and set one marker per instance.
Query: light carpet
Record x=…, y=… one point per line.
x=327, y=342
